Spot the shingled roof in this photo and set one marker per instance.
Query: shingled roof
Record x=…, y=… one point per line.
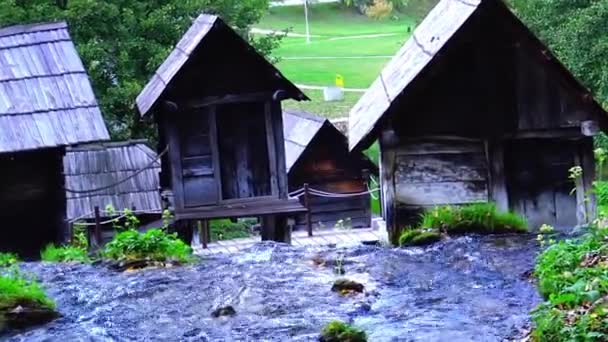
x=425, y=45
x=203, y=27
x=46, y=99
x=299, y=130
x=94, y=166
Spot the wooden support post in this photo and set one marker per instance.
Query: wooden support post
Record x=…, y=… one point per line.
x=97, y=230
x=203, y=232
x=308, y=214
x=275, y=228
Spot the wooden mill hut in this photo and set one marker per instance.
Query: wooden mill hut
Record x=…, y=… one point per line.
x=46, y=103
x=217, y=105
x=317, y=155
x=126, y=174
x=475, y=108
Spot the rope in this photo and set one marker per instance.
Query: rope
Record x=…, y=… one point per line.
x=90, y=191
x=320, y=193
x=92, y=213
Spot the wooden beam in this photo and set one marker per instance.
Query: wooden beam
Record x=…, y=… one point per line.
x=247, y=209
x=589, y=176
x=225, y=99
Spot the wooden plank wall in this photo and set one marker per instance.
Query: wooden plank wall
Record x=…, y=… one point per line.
x=441, y=172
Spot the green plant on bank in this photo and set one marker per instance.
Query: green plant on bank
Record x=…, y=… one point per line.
x=481, y=218
x=8, y=259
x=573, y=278
x=337, y=331
x=473, y=218
x=154, y=245
x=76, y=251
x=127, y=221
x=17, y=290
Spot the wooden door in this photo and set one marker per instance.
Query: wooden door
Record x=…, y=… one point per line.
x=538, y=183
x=198, y=169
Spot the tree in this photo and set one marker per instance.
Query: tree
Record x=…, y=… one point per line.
x=575, y=30
x=122, y=42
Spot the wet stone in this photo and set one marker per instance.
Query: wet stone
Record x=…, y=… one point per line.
x=222, y=311
x=346, y=286
x=22, y=317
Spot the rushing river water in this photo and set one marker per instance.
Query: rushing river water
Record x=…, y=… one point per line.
x=464, y=289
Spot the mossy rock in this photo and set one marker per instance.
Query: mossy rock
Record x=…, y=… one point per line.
x=417, y=237
x=337, y=331
x=346, y=286
x=26, y=315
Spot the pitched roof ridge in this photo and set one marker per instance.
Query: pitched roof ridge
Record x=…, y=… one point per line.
x=32, y=28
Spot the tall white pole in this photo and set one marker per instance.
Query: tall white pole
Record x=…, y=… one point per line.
x=306, y=18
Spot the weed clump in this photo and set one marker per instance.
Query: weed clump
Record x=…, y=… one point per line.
x=52, y=253
x=8, y=259
x=153, y=245
x=337, y=331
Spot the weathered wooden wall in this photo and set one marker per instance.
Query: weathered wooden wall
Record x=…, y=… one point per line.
x=32, y=201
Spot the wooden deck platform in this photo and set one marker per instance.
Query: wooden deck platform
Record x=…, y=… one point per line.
x=299, y=238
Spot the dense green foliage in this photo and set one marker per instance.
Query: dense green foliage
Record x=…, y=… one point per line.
x=337, y=331
x=154, y=245
x=573, y=278
x=474, y=218
x=16, y=289
x=227, y=230
x=123, y=42
x=8, y=259
x=418, y=237
x=575, y=31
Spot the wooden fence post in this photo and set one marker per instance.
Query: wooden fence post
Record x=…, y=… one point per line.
x=97, y=230
x=307, y=205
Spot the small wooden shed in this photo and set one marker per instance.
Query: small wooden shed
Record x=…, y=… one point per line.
x=317, y=154
x=125, y=172
x=46, y=103
x=475, y=108
x=217, y=105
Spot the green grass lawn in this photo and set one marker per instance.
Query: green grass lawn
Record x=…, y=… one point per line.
x=328, y=22
x=332, y=19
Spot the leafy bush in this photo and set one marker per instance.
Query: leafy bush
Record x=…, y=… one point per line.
x=474, y=218
x=227, y=230
x=155, y=244
x=418, y=237
x=573, y=278
x=8, y=259
x=337, y=331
